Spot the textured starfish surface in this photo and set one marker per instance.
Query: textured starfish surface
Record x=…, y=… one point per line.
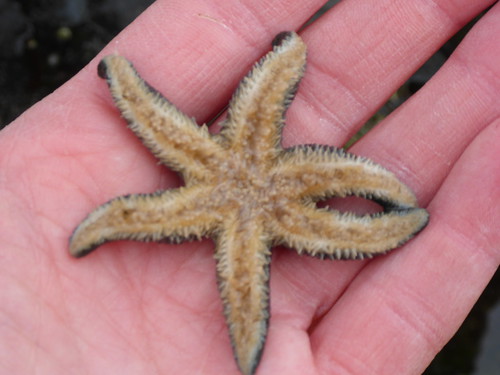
x=247, y=192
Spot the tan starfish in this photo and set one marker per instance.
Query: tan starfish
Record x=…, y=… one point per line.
x=247, y=192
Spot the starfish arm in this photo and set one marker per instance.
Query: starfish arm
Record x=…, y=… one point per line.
x=243, y=258
x=174, y=138
x=329, y=233
x=256, y=112
x=173, y=215
x=320, y=172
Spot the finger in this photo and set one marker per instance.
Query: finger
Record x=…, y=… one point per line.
x=421, y=296
x=403, y=150
x=423, y=140
x=360, y=53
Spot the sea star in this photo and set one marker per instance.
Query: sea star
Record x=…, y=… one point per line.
x=247, y=192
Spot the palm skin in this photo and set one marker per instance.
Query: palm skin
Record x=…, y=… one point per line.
x=154, y=308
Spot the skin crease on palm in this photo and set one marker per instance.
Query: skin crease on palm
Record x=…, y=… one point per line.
x=154, y=308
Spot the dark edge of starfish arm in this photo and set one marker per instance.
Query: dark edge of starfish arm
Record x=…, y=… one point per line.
x=278, y=40
x=319, y=172
x=386, y=200
x=169, y=134
x=278, y=73
x=251, y=367
x=104, y=73
x=115, y=219
x=392, y=230
x=353, y=254
x=243, y=258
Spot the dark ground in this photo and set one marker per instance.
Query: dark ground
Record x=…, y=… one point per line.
x=43, y=43
x=46, y=42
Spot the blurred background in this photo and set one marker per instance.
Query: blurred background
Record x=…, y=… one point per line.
x=43, y=43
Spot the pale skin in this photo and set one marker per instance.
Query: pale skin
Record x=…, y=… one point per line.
x=154, y=308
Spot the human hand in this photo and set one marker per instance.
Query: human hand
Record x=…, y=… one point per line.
x=142, y=308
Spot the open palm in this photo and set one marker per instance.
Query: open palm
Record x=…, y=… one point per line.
x=135, y=308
